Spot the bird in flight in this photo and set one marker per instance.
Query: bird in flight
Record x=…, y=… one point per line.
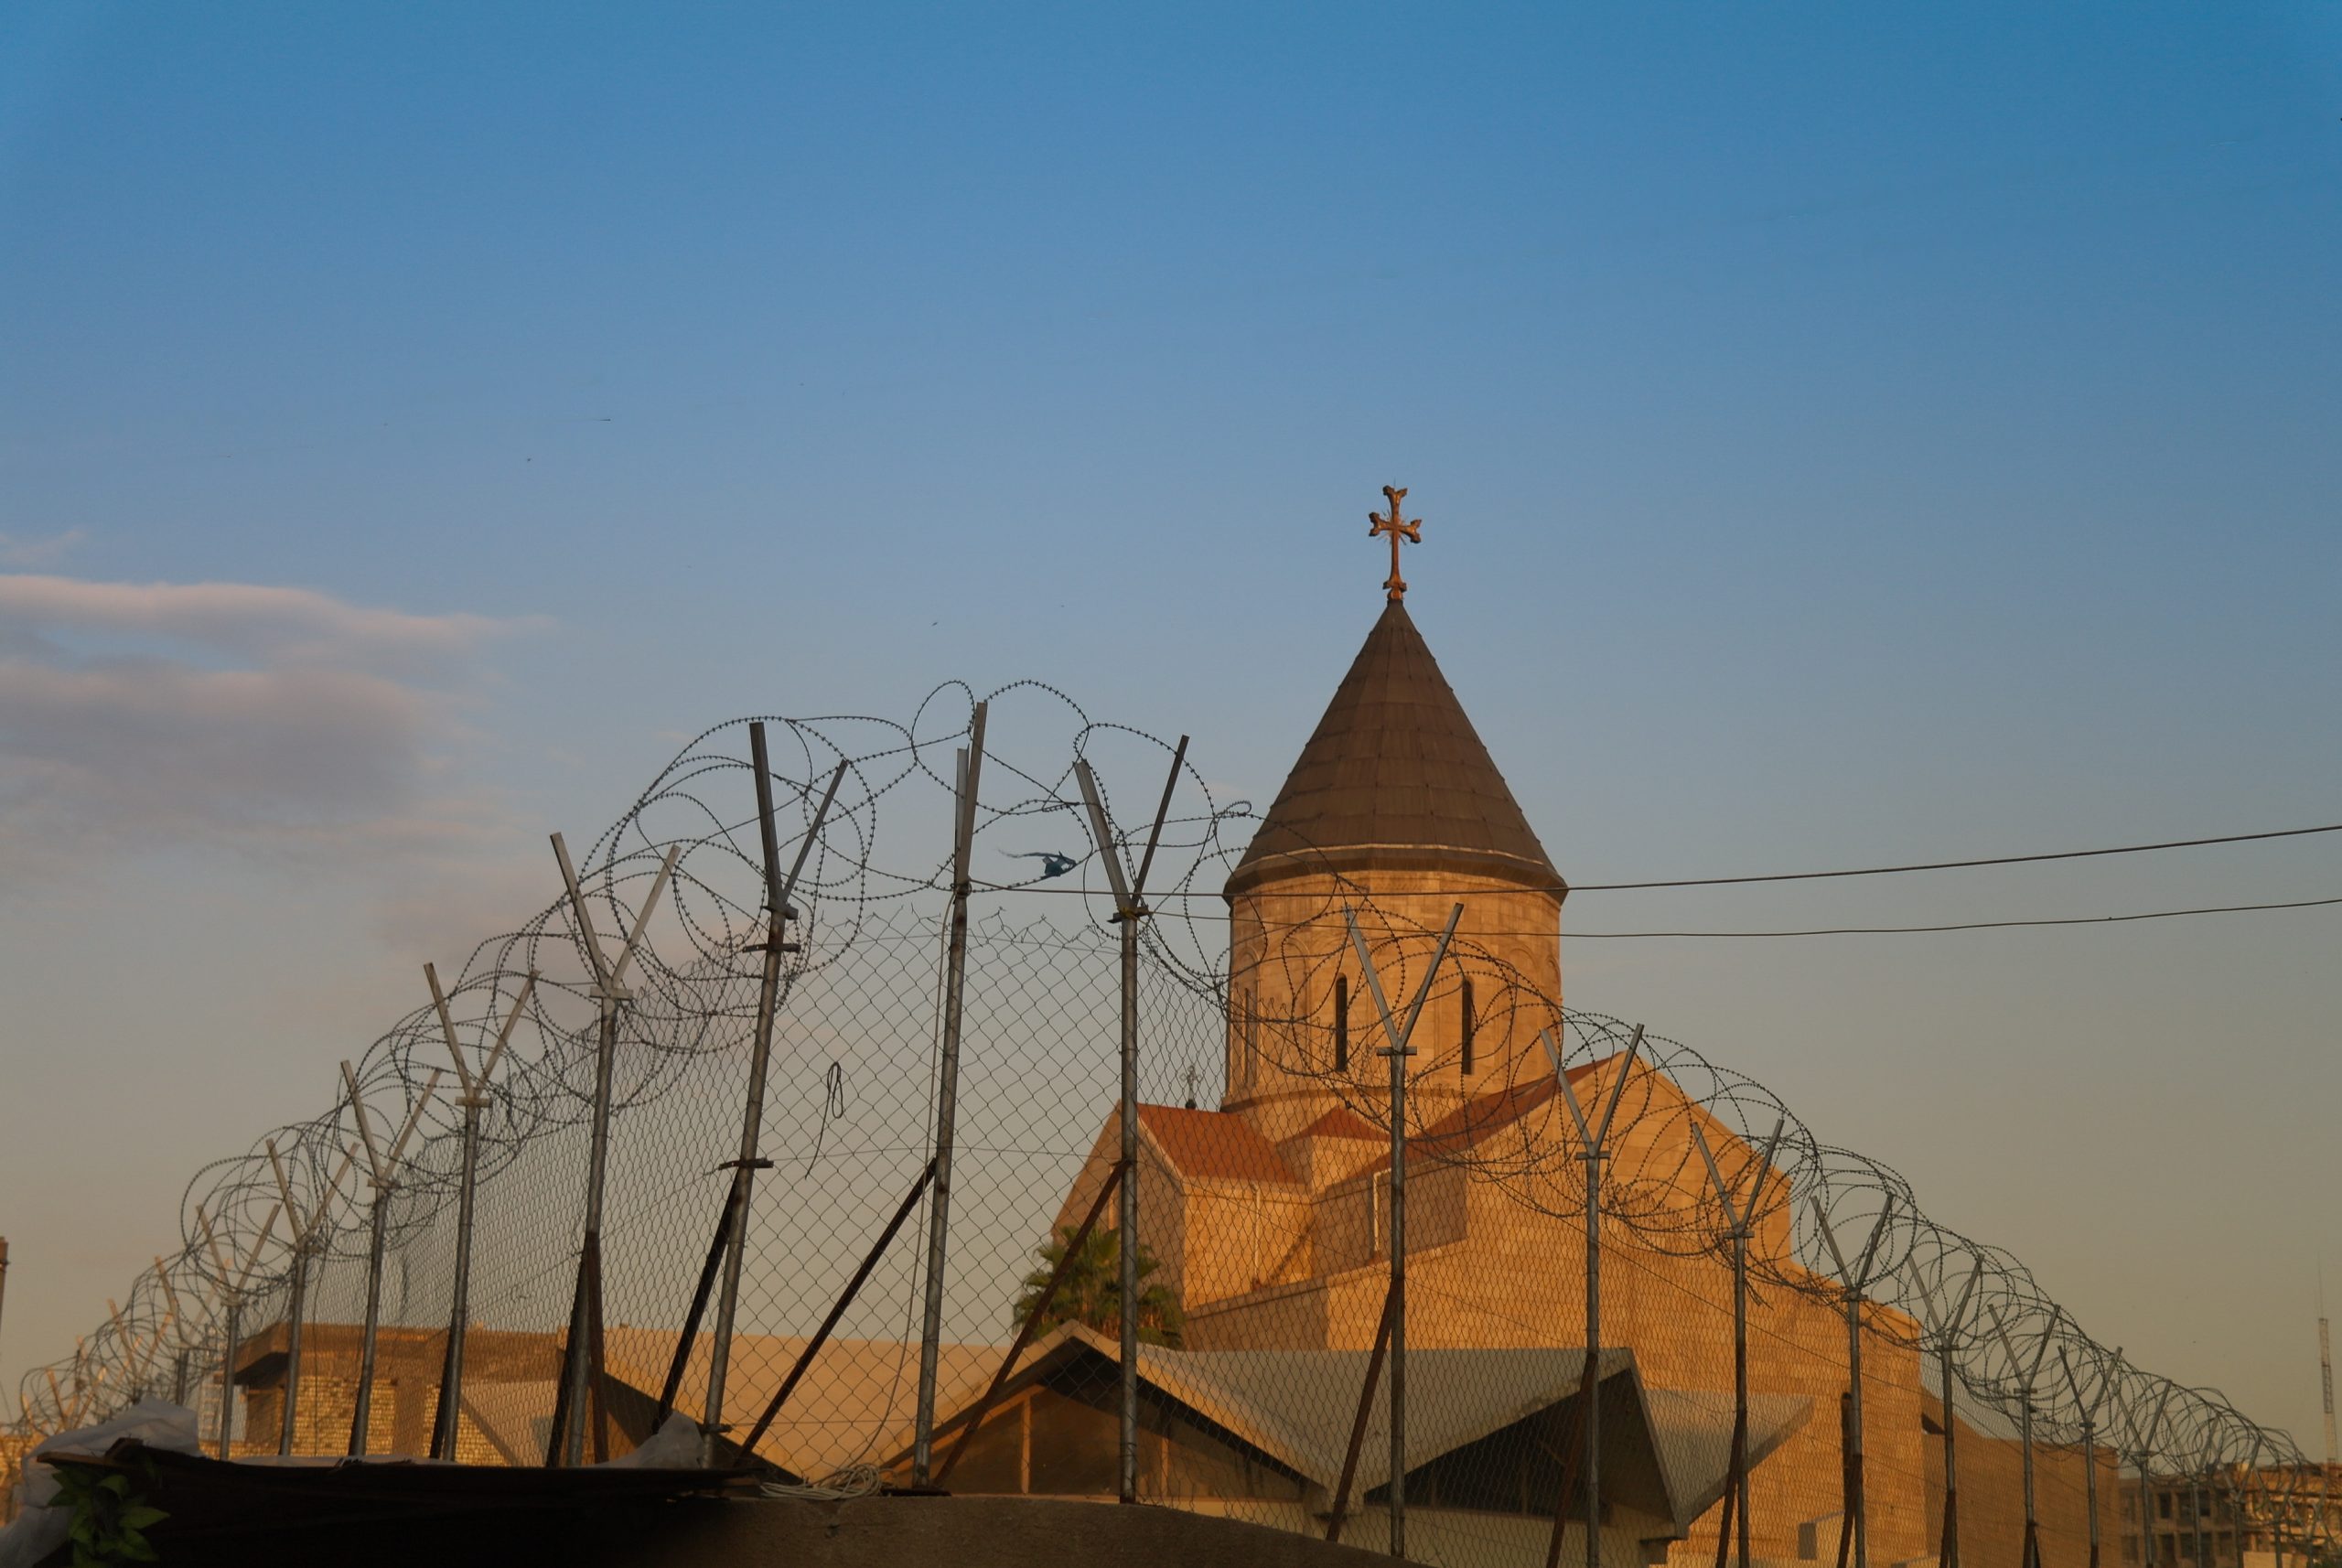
x=1052, y=863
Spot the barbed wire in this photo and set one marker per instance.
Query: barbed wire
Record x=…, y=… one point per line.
x=870, y=905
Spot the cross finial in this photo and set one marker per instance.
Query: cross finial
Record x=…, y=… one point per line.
x=1397, y=526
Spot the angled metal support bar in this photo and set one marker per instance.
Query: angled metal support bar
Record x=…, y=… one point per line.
x=1031, y=1326
x=1340, y=1515
x=845, y=1300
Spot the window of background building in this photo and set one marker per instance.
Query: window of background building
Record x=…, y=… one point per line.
x=1341, y=1023
x=1470, y=1024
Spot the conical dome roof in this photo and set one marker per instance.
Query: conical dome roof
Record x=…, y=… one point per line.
x=1395, y=779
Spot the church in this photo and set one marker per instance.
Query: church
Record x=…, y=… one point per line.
x=1267, y=1221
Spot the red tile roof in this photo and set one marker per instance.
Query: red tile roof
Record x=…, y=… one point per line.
x=1484, y=1114
x=1339, y=1123
x=1212, y=1144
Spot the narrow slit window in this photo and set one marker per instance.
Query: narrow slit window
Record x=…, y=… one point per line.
x=1341, y=1023
x=1471, y=1026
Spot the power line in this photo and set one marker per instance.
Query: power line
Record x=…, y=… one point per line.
x=1855, y=930
x=1971, y=924
x=1779, y=875
x=1954, y=865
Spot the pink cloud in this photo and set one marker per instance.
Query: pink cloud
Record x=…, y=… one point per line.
x=327, y=725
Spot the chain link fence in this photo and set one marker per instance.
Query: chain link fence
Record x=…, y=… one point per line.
x=1985, y=1422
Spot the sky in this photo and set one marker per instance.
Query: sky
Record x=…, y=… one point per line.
x=1844, y=435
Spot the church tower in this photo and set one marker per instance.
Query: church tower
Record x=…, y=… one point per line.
x=1395, y=812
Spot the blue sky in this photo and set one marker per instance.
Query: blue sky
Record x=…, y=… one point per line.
x=1844, y=433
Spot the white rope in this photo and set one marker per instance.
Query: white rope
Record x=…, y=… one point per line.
x=853, y=1481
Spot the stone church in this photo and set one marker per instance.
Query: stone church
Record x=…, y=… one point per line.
x=1268, y=1218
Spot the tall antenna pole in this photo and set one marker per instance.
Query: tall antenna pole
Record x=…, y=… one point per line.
x=1130, y=908
x=947, y=1099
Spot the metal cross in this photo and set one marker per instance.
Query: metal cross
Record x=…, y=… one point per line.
x=1397, y=526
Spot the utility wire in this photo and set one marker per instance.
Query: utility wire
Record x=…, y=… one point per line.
x=1970, y=925
x=1873, y=930
x=1953, y=864
x=1788, y=875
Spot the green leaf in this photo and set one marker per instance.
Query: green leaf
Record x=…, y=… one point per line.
x=142, y=1514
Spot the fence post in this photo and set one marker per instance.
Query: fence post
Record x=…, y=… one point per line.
x=777, y=893
x=1739, y=1218
x=1856, y=1279
x=581, y=1362
x=383, y=1174
x=1130, y=908
x=1397, y=1052
x=448, y=1423
x=947, y=1108
x=1594, y=1149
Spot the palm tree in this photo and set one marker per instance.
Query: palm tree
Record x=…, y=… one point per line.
x=1092, y=1290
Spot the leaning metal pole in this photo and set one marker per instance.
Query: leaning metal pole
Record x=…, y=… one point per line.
x=947, y=1093
x=752, y=1120
x=1130, y=908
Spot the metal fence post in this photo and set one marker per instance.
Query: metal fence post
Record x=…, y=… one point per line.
x=448, y=1423
x=1130, y=908
x=947, y=1110
x=580, y=1364
x=1856, y=1279
x=778, y=913
x=382, y=1174
x=1397, y=1052
x=1739, y=1218
x=1594, y=1149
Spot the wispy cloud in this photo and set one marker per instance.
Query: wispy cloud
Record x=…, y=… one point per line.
x=25, y=555
x=272, y=718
